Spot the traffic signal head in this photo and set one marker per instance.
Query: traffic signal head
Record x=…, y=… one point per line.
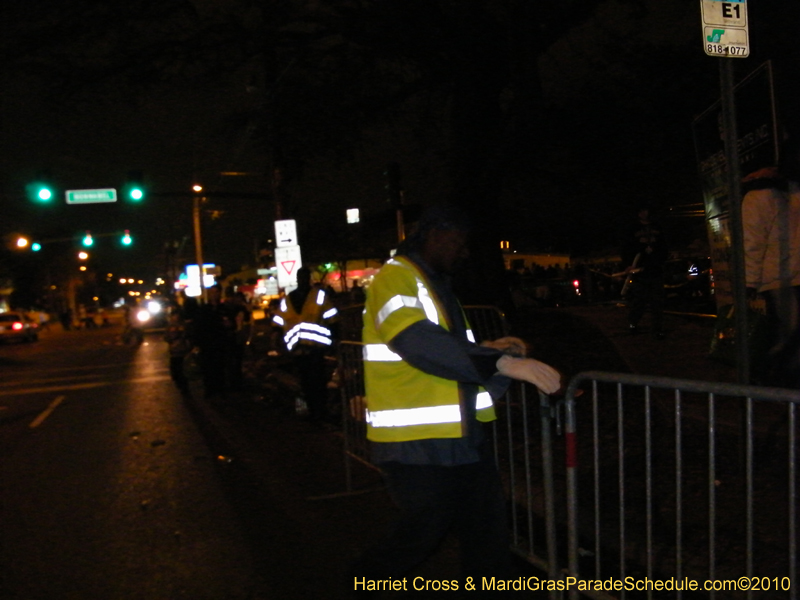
x=134, y=187
x=40, y=192
x=87, y=239
x=126, y=239
x=41, y=189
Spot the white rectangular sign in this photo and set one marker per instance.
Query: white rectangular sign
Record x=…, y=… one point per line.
x=287, y=261
x=285, y=233
x=725, y=28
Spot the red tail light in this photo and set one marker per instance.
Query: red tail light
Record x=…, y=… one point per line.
x=17, y=326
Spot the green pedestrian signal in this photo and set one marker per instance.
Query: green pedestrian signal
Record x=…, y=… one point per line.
x=127, y=240
x=87, y=239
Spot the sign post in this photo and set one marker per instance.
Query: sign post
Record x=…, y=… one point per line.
x=725, y=35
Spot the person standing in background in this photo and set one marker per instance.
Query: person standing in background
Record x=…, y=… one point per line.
x=644, y=253
x=771, y=227
x=306, y=316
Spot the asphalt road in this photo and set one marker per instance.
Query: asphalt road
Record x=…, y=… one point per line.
x=127, y=490
x=109, y=490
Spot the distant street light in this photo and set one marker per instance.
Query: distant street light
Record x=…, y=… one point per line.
x=83, y=255
x=22, y=242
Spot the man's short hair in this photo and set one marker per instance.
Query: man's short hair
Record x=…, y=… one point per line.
x=442, y=216
x=445, y=216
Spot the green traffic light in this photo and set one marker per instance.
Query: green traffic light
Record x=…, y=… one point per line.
x=87, y=240
x=36, y=246
x=136, y=193
x=127, y=240
x=44, y=194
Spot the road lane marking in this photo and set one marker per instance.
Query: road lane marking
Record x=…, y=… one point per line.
x=46, y=379
x=46, y=412
x=81, y=386
x=51, y=388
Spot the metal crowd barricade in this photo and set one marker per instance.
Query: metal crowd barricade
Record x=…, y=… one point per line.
x=682, y=479
x=528, y=482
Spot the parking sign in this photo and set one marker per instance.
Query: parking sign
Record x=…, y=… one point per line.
x=725, y=28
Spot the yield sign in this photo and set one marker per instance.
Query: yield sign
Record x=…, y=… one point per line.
x=288, y=266
x=288, y=261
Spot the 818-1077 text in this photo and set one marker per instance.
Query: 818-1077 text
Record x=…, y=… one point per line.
x=723, y=50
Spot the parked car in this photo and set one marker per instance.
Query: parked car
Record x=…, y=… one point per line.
x=16, y=326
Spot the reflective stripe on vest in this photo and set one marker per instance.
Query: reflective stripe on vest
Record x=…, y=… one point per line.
x=308, y=332
x=393, y=304
x=379, y=353
x=427, y=303
x=330, y=313
x=471, y=336
x=321, y=297
x=429, y=415
x=405, y=417
x=423, y=300
x=278, y=320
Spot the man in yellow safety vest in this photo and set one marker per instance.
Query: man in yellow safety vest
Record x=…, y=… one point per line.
x=306, y=315
x=429, y=387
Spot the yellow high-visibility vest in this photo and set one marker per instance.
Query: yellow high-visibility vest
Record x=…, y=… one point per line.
x=309, y=327
x=404, y=403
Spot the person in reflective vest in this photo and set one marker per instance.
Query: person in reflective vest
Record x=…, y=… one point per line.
x=429, y=387
x=306, y=315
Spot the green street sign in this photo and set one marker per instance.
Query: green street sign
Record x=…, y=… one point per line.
x=91, y=196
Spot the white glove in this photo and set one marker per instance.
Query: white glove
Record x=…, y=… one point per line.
x=543, y=376
x=507, y=345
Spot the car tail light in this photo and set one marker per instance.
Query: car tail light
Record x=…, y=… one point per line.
x=17, y=326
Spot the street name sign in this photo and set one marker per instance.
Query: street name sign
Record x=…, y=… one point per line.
x=288, y=261
x=91, y=196
x=725, y=30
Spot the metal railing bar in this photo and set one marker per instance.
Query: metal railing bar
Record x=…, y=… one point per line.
x=712, y=490
x=678, y=491
x=649, y=484
x=621, y=482
x=596, y=444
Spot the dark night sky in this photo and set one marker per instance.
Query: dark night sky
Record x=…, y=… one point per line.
x=616, y=94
